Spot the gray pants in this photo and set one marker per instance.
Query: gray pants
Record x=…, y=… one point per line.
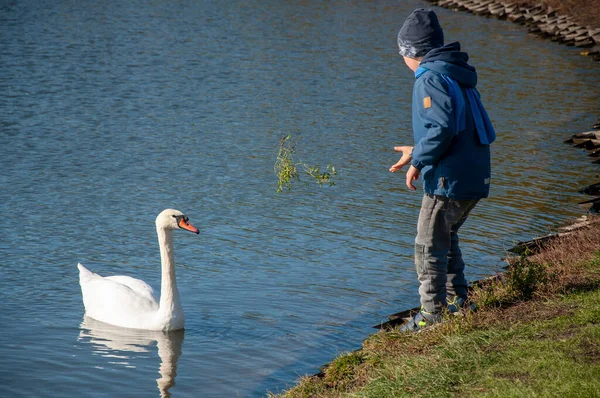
x=438, y=258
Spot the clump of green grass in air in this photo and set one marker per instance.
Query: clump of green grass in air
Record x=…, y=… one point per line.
x=288, y=170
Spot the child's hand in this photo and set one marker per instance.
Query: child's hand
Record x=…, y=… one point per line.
x=404, y=160
x=411, y=175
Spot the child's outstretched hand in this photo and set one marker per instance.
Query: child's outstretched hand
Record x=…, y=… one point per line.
x=404, y=160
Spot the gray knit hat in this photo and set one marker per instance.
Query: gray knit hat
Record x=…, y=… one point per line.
x=420, y=33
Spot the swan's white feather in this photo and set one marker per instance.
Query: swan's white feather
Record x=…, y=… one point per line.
x=109, y=300
x=137, y=285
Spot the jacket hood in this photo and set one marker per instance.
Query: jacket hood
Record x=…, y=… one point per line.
x=452, y=62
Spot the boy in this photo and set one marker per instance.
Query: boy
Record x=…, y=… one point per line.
x=452, y=134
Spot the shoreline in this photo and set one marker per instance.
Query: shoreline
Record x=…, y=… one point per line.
x=475, y=352
x=549, y=19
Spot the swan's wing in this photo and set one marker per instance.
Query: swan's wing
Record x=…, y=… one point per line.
x=113, y=302
x=137, y=285
x=118, y=300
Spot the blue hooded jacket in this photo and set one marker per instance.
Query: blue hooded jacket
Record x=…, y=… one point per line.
x=453, y=157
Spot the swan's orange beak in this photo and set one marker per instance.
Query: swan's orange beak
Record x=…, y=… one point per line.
x=183, y=223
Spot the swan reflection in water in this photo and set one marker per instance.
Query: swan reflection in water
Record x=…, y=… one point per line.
x=118, y=344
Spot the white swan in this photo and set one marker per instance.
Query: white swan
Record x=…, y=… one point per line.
x=129, y=302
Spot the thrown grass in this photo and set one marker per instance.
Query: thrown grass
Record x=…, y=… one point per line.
x=288, y=170
x=537, y=333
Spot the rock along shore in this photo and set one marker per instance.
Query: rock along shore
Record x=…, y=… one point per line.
x=539, y=19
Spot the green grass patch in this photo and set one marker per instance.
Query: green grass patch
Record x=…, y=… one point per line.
x=545, y=358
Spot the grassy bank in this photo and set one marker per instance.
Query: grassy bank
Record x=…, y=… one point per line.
x=536, y=333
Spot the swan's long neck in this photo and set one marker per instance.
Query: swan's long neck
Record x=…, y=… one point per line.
x=169, y=295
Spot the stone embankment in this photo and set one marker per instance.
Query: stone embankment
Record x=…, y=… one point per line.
x=539, y=19
x=590, y=142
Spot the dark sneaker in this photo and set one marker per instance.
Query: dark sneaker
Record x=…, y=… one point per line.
x=458, y=305
x=422, y=320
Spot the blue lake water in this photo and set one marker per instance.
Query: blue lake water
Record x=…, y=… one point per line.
x=112, y=111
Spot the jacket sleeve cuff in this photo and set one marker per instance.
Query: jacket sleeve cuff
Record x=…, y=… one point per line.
x=418, y=165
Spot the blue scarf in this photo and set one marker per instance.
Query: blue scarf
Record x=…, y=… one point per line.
x=484, y=127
